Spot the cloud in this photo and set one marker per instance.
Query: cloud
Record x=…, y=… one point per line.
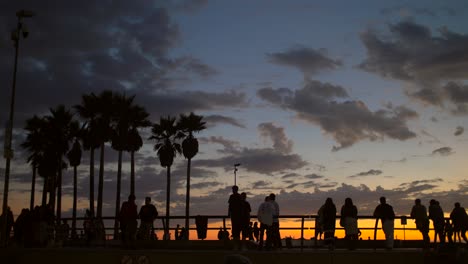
x=307, y=60
x=212, y=120
x=280, y=142
x=85, y=47
x=205, y=185
x=313, y=176
x=263, y=161
x=459, y=130
x=229, y=146
x=433, y=66
x=444, y=151
x=370, y=172
x=347, y=121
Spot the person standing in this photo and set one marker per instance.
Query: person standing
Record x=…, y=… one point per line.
x=147, y=215
x=234, y=211
x=385, y=213
x=275, y=229
x=128, y=221
x=328, y=214
x=460, y=221
x=265, y=217
x=349, y=221
x=245, y=217
x=419, y=214
x=436, y=214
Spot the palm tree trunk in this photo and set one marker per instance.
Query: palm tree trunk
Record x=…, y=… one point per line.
x=101, y=182
x=33, y=188
x=59, y=191
x=132, y=172
x=187, y=200
x=168, y=200
x=91, y=181
x=75, y=195
x=44, y=192
x=117, y=198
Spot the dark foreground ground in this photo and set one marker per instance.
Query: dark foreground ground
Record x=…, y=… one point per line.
x=209, y=252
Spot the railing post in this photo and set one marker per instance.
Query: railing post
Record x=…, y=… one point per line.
x=302, y=233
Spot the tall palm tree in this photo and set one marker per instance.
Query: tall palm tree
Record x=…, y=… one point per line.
x=103, y=132
x=166, y=135
x=189, y=124
x=60, y=128
x=74, y=158
x=119, y=137
x=34, y=144
x=138, y=118
x=88, y=111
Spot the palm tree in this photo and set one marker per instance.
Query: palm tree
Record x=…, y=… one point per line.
x=88, y=110
x=60, y=130
x=34, y=144
x=189, y=124
x=138, y=118
x=166, y=135
x=119, y=137
x=103, y=132
x=74, y=158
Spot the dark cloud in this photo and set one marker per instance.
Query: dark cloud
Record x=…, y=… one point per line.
x=433, y=64
x=307, y=60
x=290, y=175
x=346, y=120
x=459, y=130
x=261, y=185
x=85, y=47
x=212, y=120
x=205, y=185
x=313, y=176
x=280, y=142
x=370, y=172
x=264, y=161
x=229, y=146
x=444, y=151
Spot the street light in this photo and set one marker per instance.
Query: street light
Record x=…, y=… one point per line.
x=21, y=30
x=235, y=172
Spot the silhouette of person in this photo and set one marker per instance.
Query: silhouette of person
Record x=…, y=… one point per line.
x=460, y=221
x=148, y=213
x=88, y=226
x=349, y=221
x=436, y=214
x=448, y=231
x=419, y=214
x=318, y=226
x=222, y=234
x=256, y=231
x=20, y=227
x=275, y=228
x=235, y=212
x=328, y=212
x=245, y=216
x=9, y=225
x=128, y=221
x=265, y=217
x=385, y=213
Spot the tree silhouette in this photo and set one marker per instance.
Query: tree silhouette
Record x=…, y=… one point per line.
x=60, y=128
x=88, y=111
x=189, y=124
x=34, y=144
x=74, y=158
x=166, y=135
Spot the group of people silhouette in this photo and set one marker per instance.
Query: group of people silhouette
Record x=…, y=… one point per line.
x=37, y=227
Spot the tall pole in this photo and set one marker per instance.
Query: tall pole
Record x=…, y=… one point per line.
x=8, y=151
x=235, y=173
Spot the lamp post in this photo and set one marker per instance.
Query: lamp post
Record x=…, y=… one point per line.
x=235, y=172
x=16, y=34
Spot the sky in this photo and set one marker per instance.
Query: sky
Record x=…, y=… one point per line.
x=314, y=99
